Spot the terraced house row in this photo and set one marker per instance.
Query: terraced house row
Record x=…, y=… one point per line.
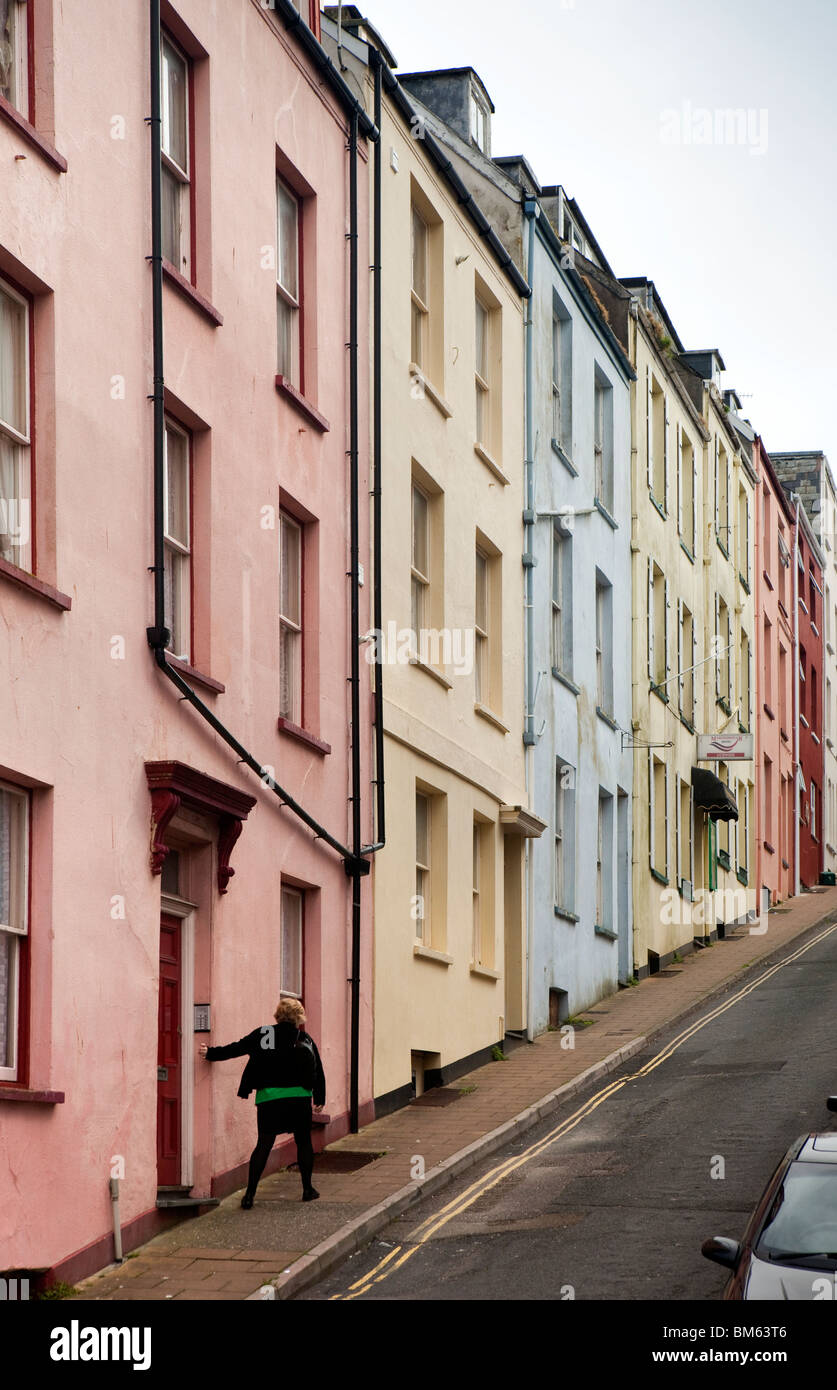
x=396, y=613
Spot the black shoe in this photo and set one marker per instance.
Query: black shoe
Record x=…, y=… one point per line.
x=247, y=1201
x=309, y=1194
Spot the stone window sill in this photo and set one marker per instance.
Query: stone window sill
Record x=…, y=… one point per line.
x=287, y=726
x=483, y=972
x=185, y=287
x=26, y=581
x=301, y=403
x=606, y=513
x=605, y=932
x=430, y=391
x=606, y=719
x=491, y=464
x=31, y=136
x=492, y=718
x=564, y=457
x=564, y=912
x=427, y=953
x=565, y=680
x=431, y=671
x=31, y=1097
x=208, y=682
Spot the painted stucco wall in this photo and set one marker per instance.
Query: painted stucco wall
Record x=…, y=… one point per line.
x=664, y=537
x=570, y=956
x=724, y=575
x=78, y=719
x=435, y=735
x=774, y=691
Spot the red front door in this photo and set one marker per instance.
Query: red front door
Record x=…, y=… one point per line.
x=168, y=1056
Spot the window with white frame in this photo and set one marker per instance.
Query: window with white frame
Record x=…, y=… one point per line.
x=814, y=811
x=564, y=836
x=479, y=124
x=423, y=868
x=743, y=535
x=292, y=926
x=604, y=861
x=744, y=681
x=14, y=924
x=658, y=655
x=658, y=789
x=15, y=438
x=658, y=436
x=481, y=373
x=686, y=663
x=290, y=619
x=723, y=655
x=562, y=593
x=420, y=563
x=684, y=832
x=722, y=522
x=176, y=173
x=686, y=489
x=419, y=289
x=177, y=545
x=562, y=338
x=603, y=439
x=481, y=629
x=288, y=362
x=604, y=643
x=14, y=54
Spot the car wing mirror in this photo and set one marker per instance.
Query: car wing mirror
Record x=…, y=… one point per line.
x=832, y=1102
x=722, y=1251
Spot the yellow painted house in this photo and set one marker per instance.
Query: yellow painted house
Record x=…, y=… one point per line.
x=450, y=950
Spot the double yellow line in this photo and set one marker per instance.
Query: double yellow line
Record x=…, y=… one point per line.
x=460, y=1203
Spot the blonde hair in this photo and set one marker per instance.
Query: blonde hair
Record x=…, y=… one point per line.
x=290, y=1011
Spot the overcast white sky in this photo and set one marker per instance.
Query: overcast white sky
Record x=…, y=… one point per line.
x=739, y=244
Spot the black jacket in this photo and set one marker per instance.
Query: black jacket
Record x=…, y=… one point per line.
x=278, y=1054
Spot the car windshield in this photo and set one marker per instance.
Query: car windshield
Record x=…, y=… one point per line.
x=803, y=1218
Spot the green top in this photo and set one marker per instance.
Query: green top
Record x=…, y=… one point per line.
x=280, y=1093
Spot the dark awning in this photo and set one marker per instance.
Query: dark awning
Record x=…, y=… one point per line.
x=713, y=795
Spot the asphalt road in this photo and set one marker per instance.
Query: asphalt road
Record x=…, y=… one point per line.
x=616, y=1206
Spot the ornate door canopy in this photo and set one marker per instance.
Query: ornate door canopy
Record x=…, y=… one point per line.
x=173, y=784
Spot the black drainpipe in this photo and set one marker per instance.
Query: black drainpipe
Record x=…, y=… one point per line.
x=377, y=450
x=356, y=866
x=158, y=636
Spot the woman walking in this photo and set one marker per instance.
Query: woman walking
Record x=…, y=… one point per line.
x=285, y=1070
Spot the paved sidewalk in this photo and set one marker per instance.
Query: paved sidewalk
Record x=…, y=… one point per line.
x=366, y=1179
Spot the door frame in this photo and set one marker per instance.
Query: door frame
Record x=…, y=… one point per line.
x=185, y=912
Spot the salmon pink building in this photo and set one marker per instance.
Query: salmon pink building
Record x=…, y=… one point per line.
x=775, y=656
x=808, y=602
x=186, y=758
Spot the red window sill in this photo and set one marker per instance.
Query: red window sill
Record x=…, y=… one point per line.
x=33, y=1097
x=34, y=586
x=30, y=134
x=187, y=289
x=302, y=404
x=198, y=677
x=288, y=727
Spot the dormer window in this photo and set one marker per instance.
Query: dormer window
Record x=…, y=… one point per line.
x=479, y=123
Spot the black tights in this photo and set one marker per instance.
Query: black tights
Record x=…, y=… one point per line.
x=261, y=1153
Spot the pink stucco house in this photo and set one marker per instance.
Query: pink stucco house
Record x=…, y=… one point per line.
x=775, y=656
x=152, y=883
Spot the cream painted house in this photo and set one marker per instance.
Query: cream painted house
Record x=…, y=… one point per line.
x=693, y=635
x=725, y=860
x=450, y=963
